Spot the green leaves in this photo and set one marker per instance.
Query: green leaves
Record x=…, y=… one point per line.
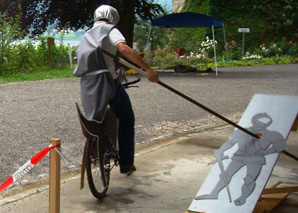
x=10, y=31
x=23, y=56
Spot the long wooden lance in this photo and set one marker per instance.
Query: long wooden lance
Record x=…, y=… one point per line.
x=143, y=73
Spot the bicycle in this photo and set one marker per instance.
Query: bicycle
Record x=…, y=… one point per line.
x=101, y=148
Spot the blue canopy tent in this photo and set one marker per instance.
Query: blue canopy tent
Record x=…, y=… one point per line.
x=189, y=19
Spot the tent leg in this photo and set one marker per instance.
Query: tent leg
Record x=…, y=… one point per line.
x=226, y=47
x=214, y=49
x=148, y=40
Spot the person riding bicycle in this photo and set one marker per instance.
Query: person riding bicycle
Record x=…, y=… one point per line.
x=99, y=84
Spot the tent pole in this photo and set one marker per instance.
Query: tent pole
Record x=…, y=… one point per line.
x=214, y=50
x=148, y=40
x=226, y=47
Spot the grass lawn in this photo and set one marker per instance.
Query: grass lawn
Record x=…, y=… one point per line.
x=40, y=75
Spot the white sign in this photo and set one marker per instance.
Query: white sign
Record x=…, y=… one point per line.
x=283, y=110
x=243, y=30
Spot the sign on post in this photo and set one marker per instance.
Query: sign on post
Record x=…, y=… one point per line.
x=243, y=31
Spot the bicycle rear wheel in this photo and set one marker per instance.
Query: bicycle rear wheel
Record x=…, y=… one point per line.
x=97, y=167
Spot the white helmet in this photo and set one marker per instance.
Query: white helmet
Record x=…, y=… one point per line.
x=107, y=12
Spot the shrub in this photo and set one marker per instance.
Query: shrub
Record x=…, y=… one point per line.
x=24, y=56
x=164, y=58
x=10, y=32
x=279, y=48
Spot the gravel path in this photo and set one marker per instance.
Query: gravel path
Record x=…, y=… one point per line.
x=32, y=113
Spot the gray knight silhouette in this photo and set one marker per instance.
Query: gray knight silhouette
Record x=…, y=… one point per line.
x=251, y=153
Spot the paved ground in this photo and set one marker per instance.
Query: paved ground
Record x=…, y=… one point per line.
x=169, y=174
x=33, y=112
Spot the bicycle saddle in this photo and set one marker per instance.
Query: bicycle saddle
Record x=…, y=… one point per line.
x=95, y=128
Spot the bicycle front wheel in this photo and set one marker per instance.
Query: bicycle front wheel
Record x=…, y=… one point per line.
x=97, y=167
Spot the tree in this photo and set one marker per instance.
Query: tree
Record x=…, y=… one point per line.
x=9, y=32
x=268, y=20
x=4, y=4
x=281, y=17
x=76, y=14
x=190, y=38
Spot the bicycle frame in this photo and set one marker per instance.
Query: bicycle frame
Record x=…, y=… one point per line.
x=105, y=135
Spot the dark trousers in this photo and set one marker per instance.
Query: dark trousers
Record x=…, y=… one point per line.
x=122, y=107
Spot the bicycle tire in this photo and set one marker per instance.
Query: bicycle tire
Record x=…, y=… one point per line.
x=97, y=167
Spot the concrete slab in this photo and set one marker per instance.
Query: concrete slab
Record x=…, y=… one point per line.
x=169, y=174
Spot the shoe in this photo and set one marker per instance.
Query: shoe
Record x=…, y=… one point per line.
x=128, y=169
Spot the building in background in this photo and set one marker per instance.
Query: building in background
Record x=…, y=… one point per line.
x=177, y=5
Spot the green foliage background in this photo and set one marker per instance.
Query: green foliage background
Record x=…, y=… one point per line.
x=190, y=38
x=269, y=20
x=272, y=39
x=26, y=57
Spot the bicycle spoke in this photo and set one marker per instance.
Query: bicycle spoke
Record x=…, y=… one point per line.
x=98, y=169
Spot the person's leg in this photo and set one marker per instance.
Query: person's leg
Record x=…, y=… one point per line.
x=122, y=107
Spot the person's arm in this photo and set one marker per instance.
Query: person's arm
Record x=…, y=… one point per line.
x=134, y=57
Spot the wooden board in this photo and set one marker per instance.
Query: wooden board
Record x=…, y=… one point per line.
x=270, y=202
x=283, y=111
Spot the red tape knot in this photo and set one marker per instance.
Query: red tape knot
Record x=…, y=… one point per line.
x=53, y=147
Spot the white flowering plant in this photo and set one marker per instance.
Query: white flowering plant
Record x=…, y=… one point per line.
x=249, y=55
x=205, y=49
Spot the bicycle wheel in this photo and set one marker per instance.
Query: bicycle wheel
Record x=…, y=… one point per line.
x=97, y=167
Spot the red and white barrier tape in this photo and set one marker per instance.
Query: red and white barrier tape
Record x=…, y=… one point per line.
x=23, y=170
